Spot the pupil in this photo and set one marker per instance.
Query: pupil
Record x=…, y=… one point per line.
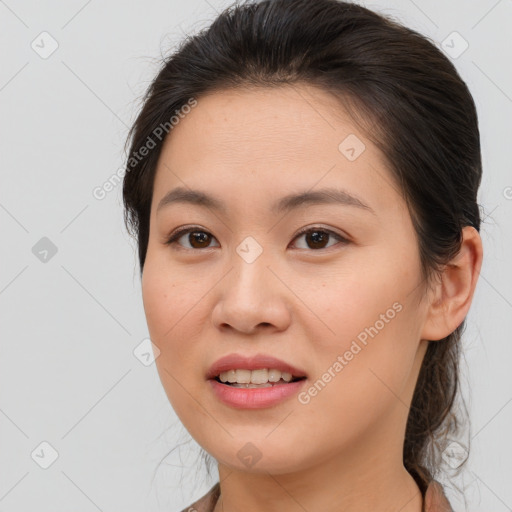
x=199, y=236
x=316, y=237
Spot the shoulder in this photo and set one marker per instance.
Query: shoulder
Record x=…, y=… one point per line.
x=207, y=502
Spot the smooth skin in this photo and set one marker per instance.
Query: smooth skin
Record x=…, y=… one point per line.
x=303, y=300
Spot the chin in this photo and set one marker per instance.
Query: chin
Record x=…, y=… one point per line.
x=260, y=457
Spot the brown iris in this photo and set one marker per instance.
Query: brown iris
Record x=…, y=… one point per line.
x=317, y=238
x=200, y=237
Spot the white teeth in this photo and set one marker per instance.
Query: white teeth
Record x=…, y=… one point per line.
x=274, y=375
x=286, y=376
x=260, y=376
x=243, y=376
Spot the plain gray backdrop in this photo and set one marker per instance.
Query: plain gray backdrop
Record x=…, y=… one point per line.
x=84, y=420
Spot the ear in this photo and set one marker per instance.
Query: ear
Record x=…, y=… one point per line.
x=453, y=293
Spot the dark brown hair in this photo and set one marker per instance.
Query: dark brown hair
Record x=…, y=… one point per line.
x=409, y=100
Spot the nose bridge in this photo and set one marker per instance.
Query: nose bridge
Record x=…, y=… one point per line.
x=250, y=260
x=251, y=295
x=250, y=250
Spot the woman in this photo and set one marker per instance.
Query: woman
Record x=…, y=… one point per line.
x=302, y=184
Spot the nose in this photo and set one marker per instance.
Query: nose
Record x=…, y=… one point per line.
x=251, y=298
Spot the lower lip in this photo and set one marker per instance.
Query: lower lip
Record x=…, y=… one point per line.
x=255, y=398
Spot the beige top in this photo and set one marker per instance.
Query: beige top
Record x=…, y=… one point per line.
x=435, y=500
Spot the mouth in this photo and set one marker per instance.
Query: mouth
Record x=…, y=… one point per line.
x=256, y=379
x=255, y=389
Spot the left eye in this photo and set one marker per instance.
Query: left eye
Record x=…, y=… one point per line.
x=318, y=237
x=315, y=238
x=195, y=236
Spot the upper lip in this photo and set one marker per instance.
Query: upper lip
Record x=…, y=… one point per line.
x=255, y=362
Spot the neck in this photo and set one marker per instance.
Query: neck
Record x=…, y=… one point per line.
x=332, y=486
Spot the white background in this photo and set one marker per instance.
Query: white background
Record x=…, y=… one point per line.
x=69, y=326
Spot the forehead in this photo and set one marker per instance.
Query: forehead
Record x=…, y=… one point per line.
x=266, y=140
x=255, y=121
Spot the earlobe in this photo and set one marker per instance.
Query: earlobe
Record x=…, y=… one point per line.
x=454, y=291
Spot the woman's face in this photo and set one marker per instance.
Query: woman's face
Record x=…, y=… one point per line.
x=341, y=304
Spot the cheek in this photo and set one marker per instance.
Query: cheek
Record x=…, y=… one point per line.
x=176, y=313
x=363, y=360
x=355, y=303
x=358, y=385
x=170, y=298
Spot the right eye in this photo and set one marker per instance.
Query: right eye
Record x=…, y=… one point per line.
x=197, y=238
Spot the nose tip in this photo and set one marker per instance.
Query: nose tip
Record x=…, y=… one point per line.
x=251, y=299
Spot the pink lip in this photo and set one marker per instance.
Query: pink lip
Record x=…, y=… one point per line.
x=256, y=362
x=253, y=398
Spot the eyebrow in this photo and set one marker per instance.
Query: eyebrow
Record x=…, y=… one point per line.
x=284, y=204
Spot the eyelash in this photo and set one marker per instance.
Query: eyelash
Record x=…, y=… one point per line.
x=174, y=237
